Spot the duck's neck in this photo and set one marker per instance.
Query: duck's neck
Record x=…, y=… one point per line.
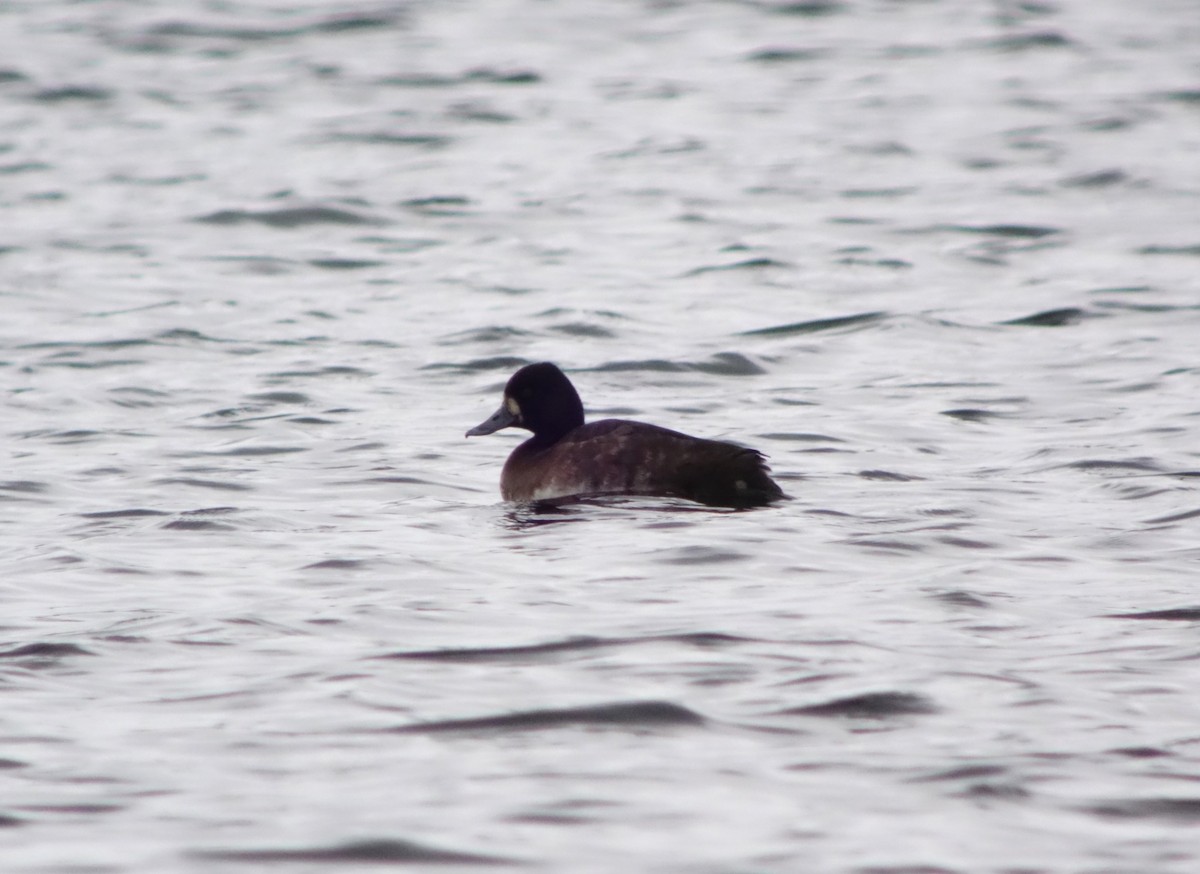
x=563, y=423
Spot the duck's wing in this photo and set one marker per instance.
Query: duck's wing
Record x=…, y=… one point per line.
x=617, y=456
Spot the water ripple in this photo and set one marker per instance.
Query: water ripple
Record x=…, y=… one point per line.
x=815, y=325
x=290, y=217
x=380, y=851
x=868, y=705
x=572, y=646
x=623, y=714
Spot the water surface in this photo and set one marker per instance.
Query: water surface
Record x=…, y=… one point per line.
x=263, y=263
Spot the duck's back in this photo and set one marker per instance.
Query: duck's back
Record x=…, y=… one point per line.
x=616, y=456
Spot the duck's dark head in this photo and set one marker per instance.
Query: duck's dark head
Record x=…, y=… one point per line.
x=539, y=398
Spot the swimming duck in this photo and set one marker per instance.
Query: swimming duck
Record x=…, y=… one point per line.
x=566, y=457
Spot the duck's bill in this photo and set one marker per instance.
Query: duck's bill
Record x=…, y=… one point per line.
x=502, y=418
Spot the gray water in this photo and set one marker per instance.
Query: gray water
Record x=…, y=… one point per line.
x=263, y=263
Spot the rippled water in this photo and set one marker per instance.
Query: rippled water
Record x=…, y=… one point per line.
x=262, y=264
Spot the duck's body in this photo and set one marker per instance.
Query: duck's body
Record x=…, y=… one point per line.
x=566, y=457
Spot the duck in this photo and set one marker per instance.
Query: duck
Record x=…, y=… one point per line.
x=568, y=457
